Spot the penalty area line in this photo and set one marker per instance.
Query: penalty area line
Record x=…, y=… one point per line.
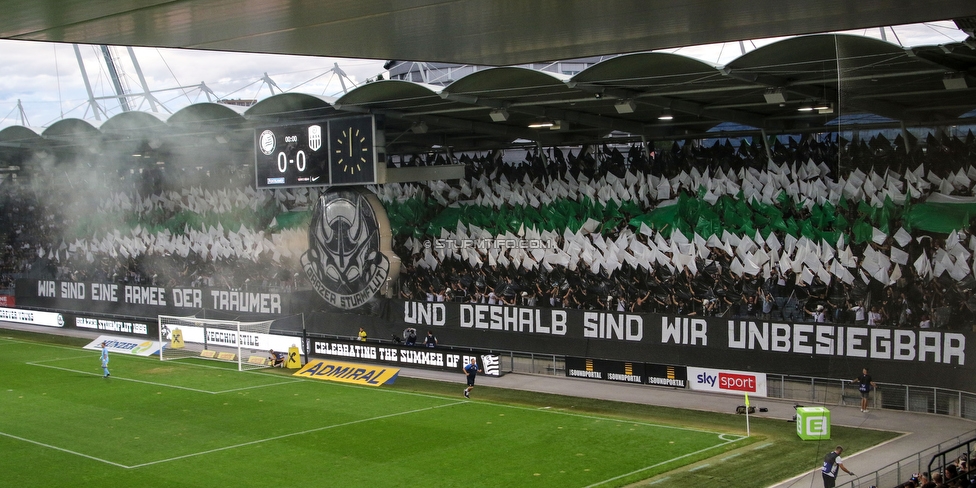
x=232, y=390
x=615, y=478
x=68, y=451
x=37, y=363
x=153, y=383
x=243, y=388
x=293, y=434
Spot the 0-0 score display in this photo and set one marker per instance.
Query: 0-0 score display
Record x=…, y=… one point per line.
x=299, y=155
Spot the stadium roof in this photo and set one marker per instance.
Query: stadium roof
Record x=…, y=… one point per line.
x=796, y=85
x=481, y=32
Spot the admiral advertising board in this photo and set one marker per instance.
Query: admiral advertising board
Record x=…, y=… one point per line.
x=407, y=356
x=353, y=373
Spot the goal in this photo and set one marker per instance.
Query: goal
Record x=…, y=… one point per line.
x=244, y=343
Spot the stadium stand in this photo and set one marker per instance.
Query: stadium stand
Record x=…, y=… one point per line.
x=690, y=229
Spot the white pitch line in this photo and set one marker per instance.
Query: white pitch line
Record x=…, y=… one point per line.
x=257, y=386
x=87, y=356
x=615, y=478
x=609, y=419
x=293, y=434
x=56, y=448
x=37, y=363
x=259, y=441
x=126, y=379
x=32, y=343
x=731, y=437
x=696, y=468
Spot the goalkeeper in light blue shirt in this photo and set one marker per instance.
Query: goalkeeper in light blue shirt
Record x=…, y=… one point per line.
x=105, y=359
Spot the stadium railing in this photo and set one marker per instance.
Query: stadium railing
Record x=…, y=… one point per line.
x=820, y=391
x=889, y=396
x=902, y=470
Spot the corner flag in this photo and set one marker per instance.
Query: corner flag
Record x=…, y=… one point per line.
x=748, y=433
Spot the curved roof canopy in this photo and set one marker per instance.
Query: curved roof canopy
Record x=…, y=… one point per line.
x=19, y=136
x=285, y=107
x=208, y=113
x=798, y=85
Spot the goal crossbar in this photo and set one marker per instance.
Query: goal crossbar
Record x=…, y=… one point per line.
x=247, y=344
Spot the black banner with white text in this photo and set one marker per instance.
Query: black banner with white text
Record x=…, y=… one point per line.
x=930, y=357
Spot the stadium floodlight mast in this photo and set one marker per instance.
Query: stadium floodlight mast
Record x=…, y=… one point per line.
x=219, y=340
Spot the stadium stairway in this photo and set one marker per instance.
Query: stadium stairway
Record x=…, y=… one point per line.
x=920, y=430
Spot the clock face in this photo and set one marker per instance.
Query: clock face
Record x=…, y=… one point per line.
x=352, y=149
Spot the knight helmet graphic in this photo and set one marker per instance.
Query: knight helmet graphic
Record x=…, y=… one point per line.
x=344, y=261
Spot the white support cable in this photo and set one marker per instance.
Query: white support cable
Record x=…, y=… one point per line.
x=142, y=81
x=57, y=77
x=171, y=72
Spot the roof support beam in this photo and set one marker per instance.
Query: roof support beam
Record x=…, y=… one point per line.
x=677, y=105
x=823, y=92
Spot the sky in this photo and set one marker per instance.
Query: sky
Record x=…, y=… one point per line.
x=45, y=79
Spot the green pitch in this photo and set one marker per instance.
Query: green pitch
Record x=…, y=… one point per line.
x=199, y=423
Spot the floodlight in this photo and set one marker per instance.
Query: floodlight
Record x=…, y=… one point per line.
x=625, y=107
x=498, y=115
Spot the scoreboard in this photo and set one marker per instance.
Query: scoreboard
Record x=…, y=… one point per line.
x=321, y=153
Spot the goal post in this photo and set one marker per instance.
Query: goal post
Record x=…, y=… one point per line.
x=245, y=343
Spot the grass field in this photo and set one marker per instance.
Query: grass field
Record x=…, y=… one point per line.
x=193, y=423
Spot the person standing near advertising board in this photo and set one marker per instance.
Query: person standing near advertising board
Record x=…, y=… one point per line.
x=471, y=371
x=864, y=385
x=833, y=462
x=104, y=359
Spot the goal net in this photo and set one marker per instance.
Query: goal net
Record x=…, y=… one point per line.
x=245, y=343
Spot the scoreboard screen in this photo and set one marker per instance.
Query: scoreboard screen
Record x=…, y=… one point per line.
x=321, y=153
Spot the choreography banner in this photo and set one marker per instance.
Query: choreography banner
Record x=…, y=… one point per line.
x=934, y=357
x=912, y=345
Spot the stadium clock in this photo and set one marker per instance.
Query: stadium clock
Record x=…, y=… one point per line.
x=320, y=153
x=352, y=151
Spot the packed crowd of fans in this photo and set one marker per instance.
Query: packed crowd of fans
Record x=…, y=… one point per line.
x=42, y=219
x=711, y=287
x=955, y=474
x=40, y=234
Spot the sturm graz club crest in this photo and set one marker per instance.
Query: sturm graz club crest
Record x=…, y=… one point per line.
x=344, y=262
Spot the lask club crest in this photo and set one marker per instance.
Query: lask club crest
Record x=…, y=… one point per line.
x=344, y=261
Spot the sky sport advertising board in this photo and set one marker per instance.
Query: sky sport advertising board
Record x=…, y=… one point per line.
x=727, y=381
